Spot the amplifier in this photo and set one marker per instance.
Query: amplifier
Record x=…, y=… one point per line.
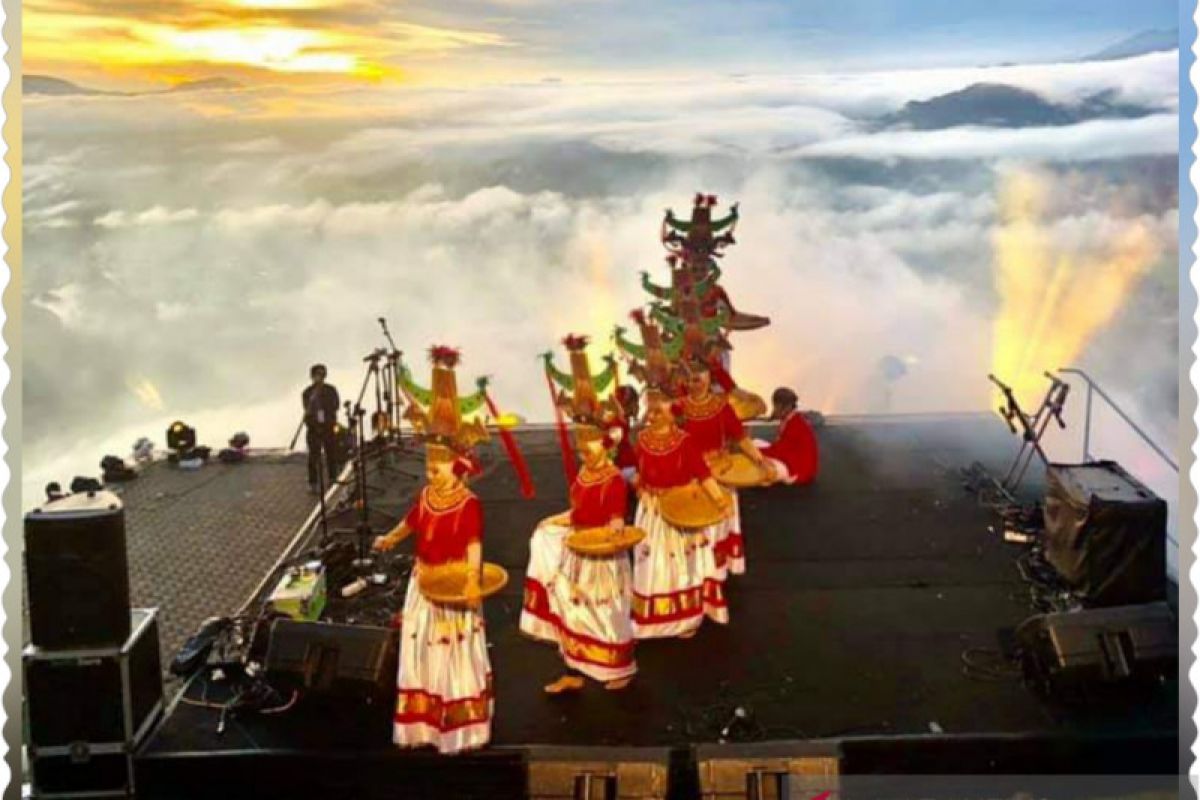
x=78, y=580
x=326, y=656
x=1068, y=653
x=101, y=695
x=1105, y=534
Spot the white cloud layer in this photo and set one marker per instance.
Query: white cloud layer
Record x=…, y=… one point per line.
x=216, y=257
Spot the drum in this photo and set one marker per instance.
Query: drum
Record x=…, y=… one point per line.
x=447, y=583
x=604, y=541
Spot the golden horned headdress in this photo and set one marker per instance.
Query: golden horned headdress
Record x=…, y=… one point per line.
x=452, y=425
x=578, y=395
x=448, y=424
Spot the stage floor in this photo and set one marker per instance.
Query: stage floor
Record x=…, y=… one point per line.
x=861, y=595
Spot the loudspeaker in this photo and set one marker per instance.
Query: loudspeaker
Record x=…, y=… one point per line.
x=598, y=773
x=78, y=579
x=1070, y=653
x=769, y=770
x=87, y=710
x=329, y=657
x=1105, y=534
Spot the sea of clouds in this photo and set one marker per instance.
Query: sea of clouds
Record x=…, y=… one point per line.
x=188, y=255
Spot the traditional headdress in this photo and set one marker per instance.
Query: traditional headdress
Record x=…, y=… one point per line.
x=578, y=397
x=650, y=361
x=451, y=425
x=697, y=238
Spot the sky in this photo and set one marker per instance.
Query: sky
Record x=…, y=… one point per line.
x=122, y=44
x=492, y=175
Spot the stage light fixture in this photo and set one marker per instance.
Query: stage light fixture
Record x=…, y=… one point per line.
x=180, y=436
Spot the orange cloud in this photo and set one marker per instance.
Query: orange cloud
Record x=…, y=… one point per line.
x=146, y=41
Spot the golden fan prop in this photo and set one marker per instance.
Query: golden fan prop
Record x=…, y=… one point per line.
x=447, y=583
x=689, y=507
x=747, y=405
x=605, y=541
x=738, y=471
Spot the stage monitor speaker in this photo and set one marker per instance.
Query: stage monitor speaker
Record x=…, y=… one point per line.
x=598, y=773
x=1069, y=654
x=78, y=579
x=769, y=770
x=334, y=658
x=1105, y=534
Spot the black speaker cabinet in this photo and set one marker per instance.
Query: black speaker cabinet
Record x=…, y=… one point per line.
x=84, y=771
x=1105, y=534
x=328, y=657
x=777, y=770
x=1073, y=653
x=620, y=773
x=98, y=696
x=78, y=579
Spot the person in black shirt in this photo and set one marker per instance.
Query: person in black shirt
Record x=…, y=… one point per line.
x=321, y=404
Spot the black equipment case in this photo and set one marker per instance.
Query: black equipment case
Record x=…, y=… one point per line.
x=88, y=709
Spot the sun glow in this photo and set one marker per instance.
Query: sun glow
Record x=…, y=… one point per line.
x=1054, y=300
x=306, y=39
x=276, y=49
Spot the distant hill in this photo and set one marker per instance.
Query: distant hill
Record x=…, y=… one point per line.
x=45, y=84
x=49, y=85
x=1151, y=41
x=202, y=84
x=1003, y=106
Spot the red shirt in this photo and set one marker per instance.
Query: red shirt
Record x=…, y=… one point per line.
x=626, y=454
x=796, y=447
x=596, y=499
x=664, y=463
x=712, y=422
x=444, y=533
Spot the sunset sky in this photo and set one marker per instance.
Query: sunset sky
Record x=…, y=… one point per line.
x=492, y=174
x=123, y=44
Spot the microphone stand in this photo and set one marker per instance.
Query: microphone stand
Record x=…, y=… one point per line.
x=364, y=561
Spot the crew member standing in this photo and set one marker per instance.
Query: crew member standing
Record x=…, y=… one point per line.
x=320, y=401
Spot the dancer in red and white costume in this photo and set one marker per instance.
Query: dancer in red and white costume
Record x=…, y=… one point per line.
x=444, y=684
x=590, y=595
x=674, y=574
x=444, y=687
x=711, y=420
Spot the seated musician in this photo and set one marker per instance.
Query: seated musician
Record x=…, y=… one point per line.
x=794, y=454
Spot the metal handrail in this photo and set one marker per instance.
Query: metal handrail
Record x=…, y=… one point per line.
x=1093, y=387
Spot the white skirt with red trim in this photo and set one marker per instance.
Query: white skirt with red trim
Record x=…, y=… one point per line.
x=728, y=545
x=545, y=553
x=444, y=687
x=591, y=598
x=674, y=577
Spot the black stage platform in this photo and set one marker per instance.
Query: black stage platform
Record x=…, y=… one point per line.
x=862, y=594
